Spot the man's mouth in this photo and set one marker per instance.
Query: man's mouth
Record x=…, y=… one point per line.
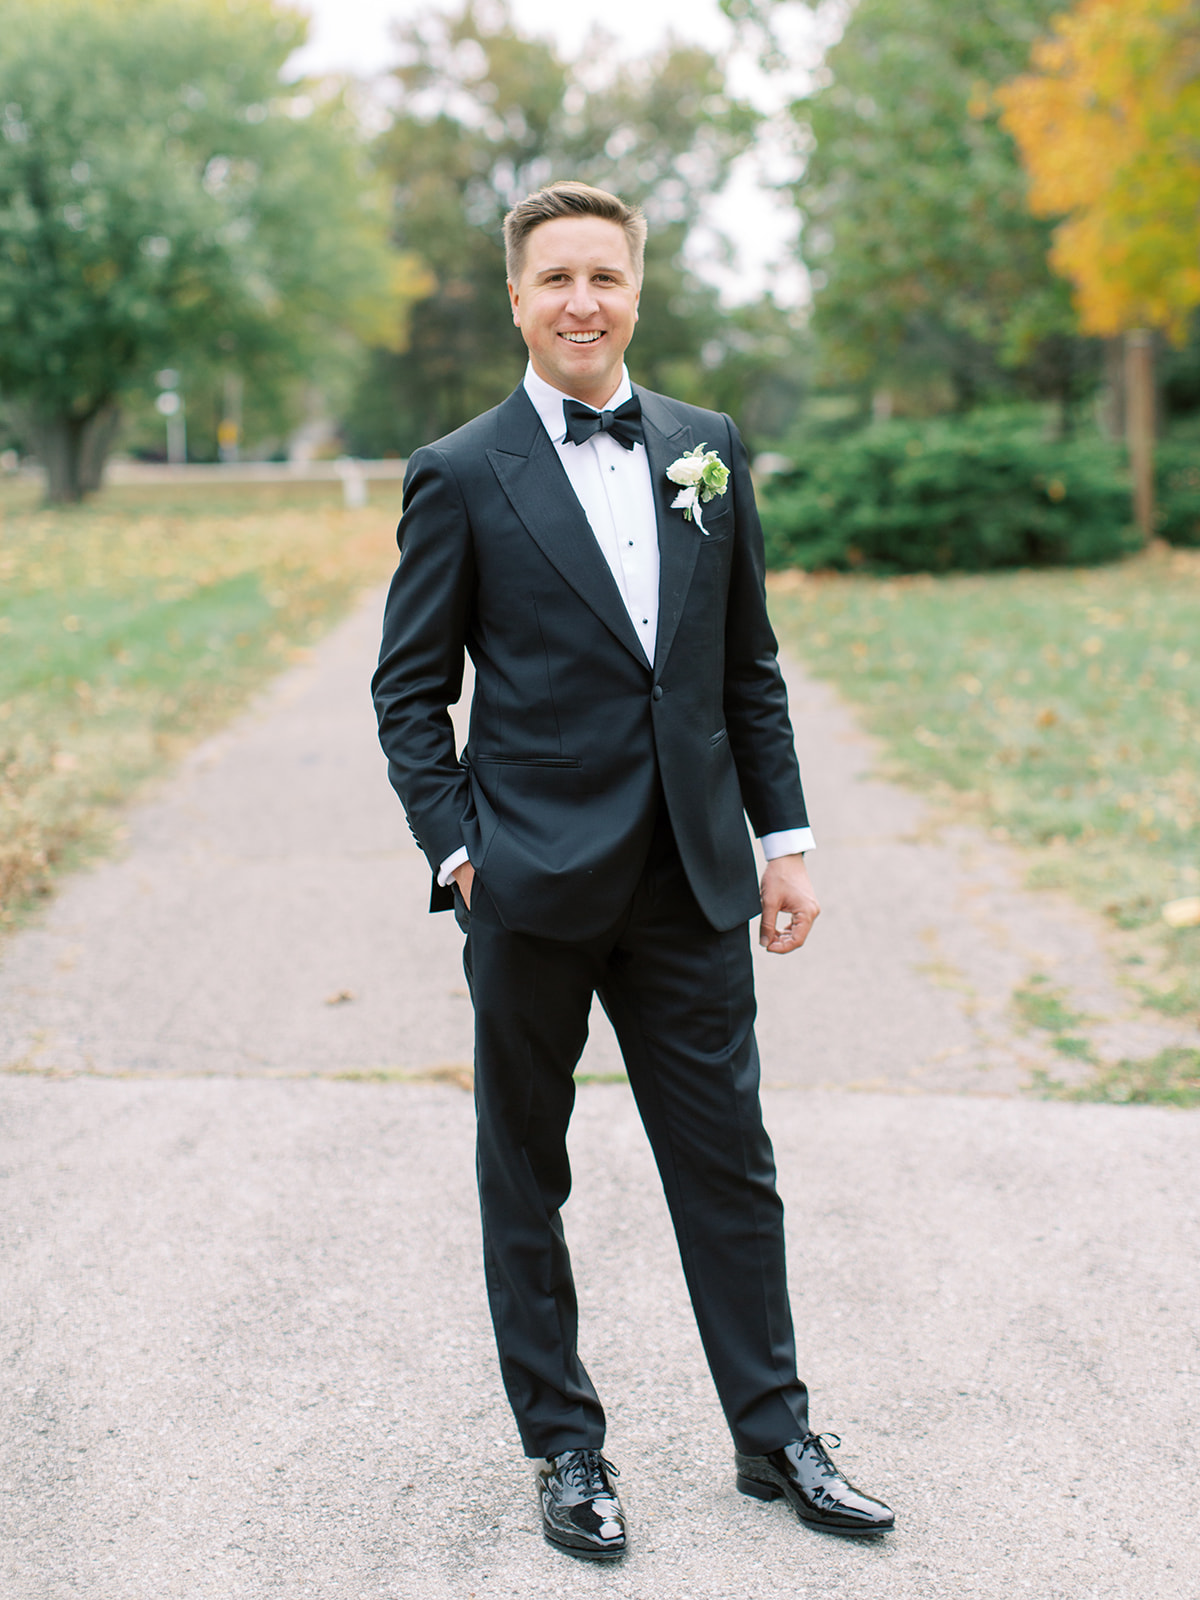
x=589, y=337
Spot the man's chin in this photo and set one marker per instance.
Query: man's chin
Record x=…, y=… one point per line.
x=591, y=382
x=585, y=361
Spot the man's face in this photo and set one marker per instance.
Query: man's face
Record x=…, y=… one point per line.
x=576, y=304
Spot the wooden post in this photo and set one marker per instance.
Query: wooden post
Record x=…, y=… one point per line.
x=1139, y=423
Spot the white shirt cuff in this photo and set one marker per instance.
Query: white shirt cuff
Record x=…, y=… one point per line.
x=450, y=866
x=788, y=842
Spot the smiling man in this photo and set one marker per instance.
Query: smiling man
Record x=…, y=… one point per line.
x=628, y=716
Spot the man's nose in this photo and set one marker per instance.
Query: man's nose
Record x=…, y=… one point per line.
x=582, y=301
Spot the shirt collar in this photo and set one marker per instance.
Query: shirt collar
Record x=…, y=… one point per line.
x=548, y=401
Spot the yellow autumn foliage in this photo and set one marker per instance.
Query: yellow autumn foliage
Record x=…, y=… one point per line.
x=1108, y=125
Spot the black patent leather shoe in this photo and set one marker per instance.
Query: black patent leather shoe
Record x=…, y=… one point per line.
x=817, y=1492
x=581, y=1513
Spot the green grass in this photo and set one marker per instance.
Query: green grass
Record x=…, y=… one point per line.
x=220, y=498
x=129, y=628
x=1171, y=1078
x=1059, y=709
x=1039, y=1005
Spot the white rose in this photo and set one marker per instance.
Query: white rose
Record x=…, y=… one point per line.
x=688, y=471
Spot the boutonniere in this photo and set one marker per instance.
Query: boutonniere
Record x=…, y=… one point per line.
x=704, y=476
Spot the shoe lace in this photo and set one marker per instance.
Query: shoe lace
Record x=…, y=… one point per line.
x=824, y=1443
x=586, y=1470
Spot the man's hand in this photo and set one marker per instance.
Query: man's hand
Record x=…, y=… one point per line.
x=786, y=891
x=464, y=877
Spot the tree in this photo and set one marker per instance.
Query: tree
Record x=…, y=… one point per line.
x=163, y=195
x=488, y=114
x=1108, y=123
x=927, y=267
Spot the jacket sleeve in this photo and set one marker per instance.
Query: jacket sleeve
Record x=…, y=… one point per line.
x=420, y=671
x=756, y=710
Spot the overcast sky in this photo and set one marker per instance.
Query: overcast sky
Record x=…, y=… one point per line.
x=354, y=36
x=354, y=33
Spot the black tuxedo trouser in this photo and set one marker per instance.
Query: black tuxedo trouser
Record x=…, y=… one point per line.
x=680, y=997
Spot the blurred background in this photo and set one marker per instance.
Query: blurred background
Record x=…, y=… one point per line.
x=939, y=258
x=237, y=229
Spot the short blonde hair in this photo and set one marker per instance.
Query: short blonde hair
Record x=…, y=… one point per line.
x=570, y=199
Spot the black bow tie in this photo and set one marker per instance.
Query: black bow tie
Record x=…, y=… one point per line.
x=625, y=423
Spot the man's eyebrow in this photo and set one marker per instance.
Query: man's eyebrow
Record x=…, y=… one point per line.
x=615, y=272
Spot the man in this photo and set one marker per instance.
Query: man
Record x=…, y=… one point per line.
x=628, y=713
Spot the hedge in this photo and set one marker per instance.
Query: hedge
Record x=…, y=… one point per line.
x=966, y=495
x=1178, y=491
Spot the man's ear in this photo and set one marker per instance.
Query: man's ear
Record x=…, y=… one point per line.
x=513, y=300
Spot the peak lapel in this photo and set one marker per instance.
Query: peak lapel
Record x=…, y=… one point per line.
x=678, y=540
x=529, y=471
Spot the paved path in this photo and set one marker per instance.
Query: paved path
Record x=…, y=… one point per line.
x=244, y=1335
x=274, y=873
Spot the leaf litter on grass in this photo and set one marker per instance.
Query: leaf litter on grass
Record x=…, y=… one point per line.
x=1060, y=709
x=123, y=638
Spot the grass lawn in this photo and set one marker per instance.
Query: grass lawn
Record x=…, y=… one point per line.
x=132, y=626
x=1061, y=710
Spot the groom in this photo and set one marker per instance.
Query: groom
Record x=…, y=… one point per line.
x=628, y=715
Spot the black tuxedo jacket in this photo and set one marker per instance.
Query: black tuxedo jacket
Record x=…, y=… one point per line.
x=574, y=735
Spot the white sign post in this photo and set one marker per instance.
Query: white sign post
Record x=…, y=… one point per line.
x=170, y=405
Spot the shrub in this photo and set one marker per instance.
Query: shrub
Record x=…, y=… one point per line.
x=949, y=495
x=1177, y=463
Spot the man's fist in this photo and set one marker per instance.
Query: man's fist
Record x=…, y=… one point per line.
x=786, y=893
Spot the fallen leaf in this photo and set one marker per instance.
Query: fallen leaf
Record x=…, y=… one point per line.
x=1182, y=913
x=461, y=1077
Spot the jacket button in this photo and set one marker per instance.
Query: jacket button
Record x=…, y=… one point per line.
x=657, y=695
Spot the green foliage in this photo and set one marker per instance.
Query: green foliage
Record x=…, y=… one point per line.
x=927, y=266
x=489, y=114
x=1177, y=465
x=948, y=495
x=164, y=200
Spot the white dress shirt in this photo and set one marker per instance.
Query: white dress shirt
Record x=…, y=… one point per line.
x=613, y=487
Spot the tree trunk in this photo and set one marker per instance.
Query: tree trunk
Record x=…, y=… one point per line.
x=1112, y=396
x=72, y=451
x=1139, y=413
x=98, y=435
